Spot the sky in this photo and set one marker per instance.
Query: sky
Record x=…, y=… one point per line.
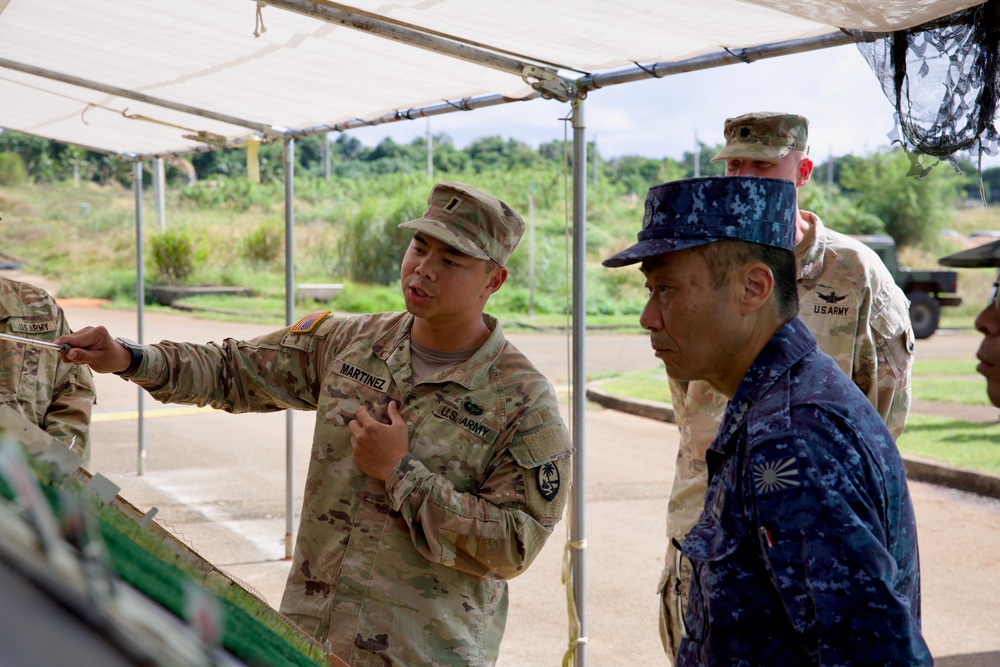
x=834, y=88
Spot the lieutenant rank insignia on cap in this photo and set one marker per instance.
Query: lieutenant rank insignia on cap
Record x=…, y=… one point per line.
x=776, y=475
x=309, y=322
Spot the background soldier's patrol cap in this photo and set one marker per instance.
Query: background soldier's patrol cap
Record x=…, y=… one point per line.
x=764, y=135
x=695, y=211
x=987, y=254
x=470, y=220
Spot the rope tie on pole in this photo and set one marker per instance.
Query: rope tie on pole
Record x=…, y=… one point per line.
x=575, y=639
x=651, y=71
x=258, y=27
x=742, y=55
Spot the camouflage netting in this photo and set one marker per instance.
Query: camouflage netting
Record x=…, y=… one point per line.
x=943, y=77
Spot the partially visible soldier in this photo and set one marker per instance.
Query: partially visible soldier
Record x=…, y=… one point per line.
x=35, y=381
x=847, y=298
x=440, y=462
x=988, y=320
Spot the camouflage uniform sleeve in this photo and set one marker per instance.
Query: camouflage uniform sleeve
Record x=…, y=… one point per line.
x=883, y=357
x=698, y=409
x=273, y=372
x=498, y=531
x=73, y=397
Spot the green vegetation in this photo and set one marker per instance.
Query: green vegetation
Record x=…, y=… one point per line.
x=962, y=444
x=12, y=169
x=224, y=230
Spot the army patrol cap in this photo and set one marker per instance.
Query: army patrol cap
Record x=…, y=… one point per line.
x=764, y=135
x=987, y=254
x=695, y=211
x=470, y=220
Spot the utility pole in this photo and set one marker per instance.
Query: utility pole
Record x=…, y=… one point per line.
x=697, y=156
x=597, y=163
x=829, y=171
x=531, y=250
x=430, y=151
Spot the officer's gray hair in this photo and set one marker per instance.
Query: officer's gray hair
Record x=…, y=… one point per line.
x=724, y=256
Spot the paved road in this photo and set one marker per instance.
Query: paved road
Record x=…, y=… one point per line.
x=218, y=480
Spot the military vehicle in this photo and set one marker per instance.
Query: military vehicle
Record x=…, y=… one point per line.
x=926, y=290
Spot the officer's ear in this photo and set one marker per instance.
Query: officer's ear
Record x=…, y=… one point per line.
x=757, y=282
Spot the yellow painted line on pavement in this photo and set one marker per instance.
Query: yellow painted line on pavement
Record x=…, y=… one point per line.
x=126, y=415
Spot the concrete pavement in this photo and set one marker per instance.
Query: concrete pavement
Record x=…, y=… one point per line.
x=218, y=481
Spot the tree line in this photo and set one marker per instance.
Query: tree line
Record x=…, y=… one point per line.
x=887, y=191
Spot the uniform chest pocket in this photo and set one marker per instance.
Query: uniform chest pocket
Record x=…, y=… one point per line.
x=453, y=441
x=713, y=541
x=19, y=365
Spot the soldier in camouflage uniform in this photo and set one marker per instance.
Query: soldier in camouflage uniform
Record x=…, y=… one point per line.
x=847, y=298
x=440, y=463
x=35, y=381
x=988, y=320
x=806, y=550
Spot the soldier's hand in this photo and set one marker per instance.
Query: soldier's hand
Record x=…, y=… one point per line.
x=378, y=447
x=96, y=347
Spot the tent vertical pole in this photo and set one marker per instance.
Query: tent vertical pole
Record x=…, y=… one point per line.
x=289, y=155
x=140, y=306
x=578, y=536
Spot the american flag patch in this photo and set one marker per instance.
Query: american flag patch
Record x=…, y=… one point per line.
x=776, y=475
x=309, y=322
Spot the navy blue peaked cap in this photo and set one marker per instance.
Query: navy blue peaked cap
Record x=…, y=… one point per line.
x=695, y=211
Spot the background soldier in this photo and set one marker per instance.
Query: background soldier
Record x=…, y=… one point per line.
x=34, y=380
x=988, y=320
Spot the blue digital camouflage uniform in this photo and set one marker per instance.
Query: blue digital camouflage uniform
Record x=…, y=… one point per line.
x=806, y=552
x=35, y=381
x=410, y=571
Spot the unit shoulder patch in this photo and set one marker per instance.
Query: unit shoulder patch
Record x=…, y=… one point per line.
x=309, y=322
x=777, y=475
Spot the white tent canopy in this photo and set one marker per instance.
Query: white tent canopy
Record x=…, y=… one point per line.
x=150, y=78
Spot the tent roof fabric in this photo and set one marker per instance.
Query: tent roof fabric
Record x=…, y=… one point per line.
x=72, y=72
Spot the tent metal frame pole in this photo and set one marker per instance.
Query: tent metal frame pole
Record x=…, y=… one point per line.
x=728, y=57
x=578, y=534
x=539, y=75
x=140, y=309
x=132, y=95
x=289, y=156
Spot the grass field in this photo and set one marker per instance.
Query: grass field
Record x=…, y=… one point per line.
x=962, y=444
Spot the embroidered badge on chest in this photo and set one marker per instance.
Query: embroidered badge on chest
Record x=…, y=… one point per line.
x=831, y=303
x=777, y=475
x=33, y=327
x=549, y=480
x=464, y=418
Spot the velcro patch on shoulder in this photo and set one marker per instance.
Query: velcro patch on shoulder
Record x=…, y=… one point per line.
x=309, y=322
